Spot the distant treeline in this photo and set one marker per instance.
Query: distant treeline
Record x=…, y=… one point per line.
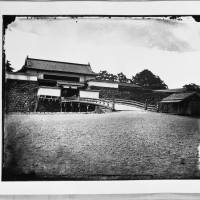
x=144, y=78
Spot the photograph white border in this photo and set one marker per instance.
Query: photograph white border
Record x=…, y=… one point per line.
x=98, y=8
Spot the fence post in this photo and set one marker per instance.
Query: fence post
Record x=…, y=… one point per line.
x=79, y=107
x=36, y=104
x=157, y=107
x=113, y=104
x=146, y=105
x=61, y=105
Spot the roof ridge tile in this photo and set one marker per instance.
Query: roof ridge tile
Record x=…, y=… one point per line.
x=56, y=61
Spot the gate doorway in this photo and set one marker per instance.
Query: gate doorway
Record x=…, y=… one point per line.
x=69, y=92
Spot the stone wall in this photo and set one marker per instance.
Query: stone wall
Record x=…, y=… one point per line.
x=20, y=95
x=48, y=106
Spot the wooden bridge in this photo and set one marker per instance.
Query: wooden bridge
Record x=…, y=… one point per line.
x=107, y=103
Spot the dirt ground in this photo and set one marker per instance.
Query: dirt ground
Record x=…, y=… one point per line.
x=109, y=146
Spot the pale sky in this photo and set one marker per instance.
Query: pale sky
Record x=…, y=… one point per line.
x=169, y=48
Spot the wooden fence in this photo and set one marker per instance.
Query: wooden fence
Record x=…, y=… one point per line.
x=137, y=104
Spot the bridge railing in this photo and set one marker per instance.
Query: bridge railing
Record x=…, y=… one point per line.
x=100, y=102
x=103, y=102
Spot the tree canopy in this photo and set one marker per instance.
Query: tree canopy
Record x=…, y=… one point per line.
x=145, y=78
x=192, y=87
x=104, y=75
x=8, y=67
x=7, y=19
x=122, y=78
x=148, y=80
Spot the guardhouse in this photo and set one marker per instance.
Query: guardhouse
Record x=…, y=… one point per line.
x=181, y=103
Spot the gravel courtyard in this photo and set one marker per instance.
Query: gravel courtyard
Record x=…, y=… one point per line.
x=119, y=145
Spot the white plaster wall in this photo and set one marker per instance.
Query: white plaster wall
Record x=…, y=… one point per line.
x=49, y=91
x=103, y=84
x=21, y=77
x=89, y=94
x=41, y=76
x=82, y=79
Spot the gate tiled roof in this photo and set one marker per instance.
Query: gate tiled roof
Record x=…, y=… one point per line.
x=178, y=97
x=49, y=65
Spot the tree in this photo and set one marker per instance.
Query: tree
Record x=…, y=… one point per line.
x=148, y=80
x=112, y=77
x=192, y=87
x=7, y=19
x=196, y=18
x=104, y=75
x=122, y=78
x=8, y=67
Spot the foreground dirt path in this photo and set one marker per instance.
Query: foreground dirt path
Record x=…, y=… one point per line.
x=121, y=145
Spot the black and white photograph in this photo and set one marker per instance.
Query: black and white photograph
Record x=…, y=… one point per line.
x=101, y=97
